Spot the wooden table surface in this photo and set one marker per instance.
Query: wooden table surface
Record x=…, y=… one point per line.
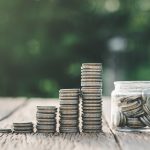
x=23, y=109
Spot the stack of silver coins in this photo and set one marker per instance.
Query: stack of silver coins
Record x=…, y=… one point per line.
x=24, y=127
x=5, y=131
x=69, y=110
x=91, y=88
x=46, y=119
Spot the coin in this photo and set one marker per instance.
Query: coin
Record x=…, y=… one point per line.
x=46, y=127
x=92, y=115
x=28, y=131
x=69, y=91
x=45, y=120
x=5, y=131
x=91, y=130
x=71, y=102
x=52, y=108
x=45, y=131
x=134, y=123
x=70, y=112
x=23, y=128
x=23, y=124
x=69, y=107
x=99, y=84
x=92, y=111
x=46, y=111
x=92, y=127
x=69, y=95
x=46, y=123
x=45, y=116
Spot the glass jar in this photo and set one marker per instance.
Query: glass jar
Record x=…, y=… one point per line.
x=130, y=106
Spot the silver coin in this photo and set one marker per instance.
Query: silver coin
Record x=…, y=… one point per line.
x=45, y=116
x=97, y=84
x=45, y=131
x=28, y=131
x=92, y=123
x=91, y=131
x=145, y=121
x=89, y=76
x=135, y=112
x=134, y=123
x=91, y=115
x=130, y=106
x=46, y=123
x=46, y=120
x=92, y=91
x=91, y=119
x=92, y=108
x=68, y=130
x=69, y=90
x=92, y=111
x=69, y=98
x=91, y=66
x=52, y=108
x=23, y=128
x=91, y=105
x=90, y=70
x=92, y=127
x=46, y=111
x=129, y=99
x=69, y=112
x=92, y=102
x=5, y=131
x=69, y=121
x=69, y=94
x=69, y=116
x=23, y=124
x=46, y=127
x=70, y=102
x=91, y=94
x=69, y=107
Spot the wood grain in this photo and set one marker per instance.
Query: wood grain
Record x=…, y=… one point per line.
x=9, y=105
x=103, y=141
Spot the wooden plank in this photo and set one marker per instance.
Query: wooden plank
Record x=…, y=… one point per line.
x=128, y=140
x=9, y=105
x=104, y=141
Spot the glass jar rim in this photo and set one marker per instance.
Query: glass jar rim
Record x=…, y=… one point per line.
x=131, y=82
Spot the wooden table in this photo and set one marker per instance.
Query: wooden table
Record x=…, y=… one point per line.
x=23, y=109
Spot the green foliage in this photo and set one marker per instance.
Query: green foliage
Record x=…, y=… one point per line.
x=44, y=42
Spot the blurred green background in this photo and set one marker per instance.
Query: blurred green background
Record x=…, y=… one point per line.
x=44, y=42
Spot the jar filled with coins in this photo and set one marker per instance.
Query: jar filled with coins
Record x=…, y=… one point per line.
x=130, y=106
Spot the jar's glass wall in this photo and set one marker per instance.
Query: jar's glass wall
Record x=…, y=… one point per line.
x=130, y=106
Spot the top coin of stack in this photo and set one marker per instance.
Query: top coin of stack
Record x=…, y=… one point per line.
x=91, y=87
x=69, y=110
x=46, y=119
x=23, y=127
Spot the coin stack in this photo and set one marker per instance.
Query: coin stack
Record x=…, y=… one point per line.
x=91, y=88
x=24, y=127
x=69, y=110
x=5, y=131
x=46, y=119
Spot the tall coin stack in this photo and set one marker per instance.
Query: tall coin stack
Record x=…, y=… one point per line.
x=91, y=88
x=69, y=110
x=46, y=119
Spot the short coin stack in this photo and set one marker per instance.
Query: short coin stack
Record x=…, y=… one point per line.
x=24, y=127
x=46, y=119
x=91, y=88
x=69, y=110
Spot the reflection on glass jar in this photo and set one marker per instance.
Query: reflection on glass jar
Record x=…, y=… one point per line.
x=130, y=106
